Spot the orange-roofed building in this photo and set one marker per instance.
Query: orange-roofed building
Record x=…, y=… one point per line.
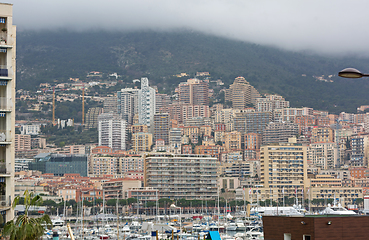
x=120, y=186
x=102, y=150
x=358, y=172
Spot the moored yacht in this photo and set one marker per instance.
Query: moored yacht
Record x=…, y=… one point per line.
x=240, y=225
x=337, y=209
x=231, y=226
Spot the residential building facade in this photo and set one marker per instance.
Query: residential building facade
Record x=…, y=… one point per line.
x=182, y=176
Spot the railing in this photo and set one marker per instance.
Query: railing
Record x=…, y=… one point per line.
x=3, y=38
x=5, y=201
x=4, y=104
x=5, y=71
x=5, y=136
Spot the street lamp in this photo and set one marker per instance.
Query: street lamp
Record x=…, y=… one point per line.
x=180, y=216
x=352, y=73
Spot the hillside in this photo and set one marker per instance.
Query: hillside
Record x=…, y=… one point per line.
x=47, y=56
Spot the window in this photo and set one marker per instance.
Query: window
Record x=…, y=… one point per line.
x=306, y=237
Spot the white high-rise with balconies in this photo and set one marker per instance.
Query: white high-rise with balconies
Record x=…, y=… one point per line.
x=146, y=103
x=112, y=131
x=7, y=113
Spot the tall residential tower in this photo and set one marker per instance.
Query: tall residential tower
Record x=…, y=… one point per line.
x=146, y=103
x=7, y=112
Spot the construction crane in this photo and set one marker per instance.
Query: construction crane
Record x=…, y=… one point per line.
x=83, y=105
x=54, y=106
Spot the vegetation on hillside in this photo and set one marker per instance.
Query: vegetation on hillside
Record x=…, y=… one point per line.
x=47, y=56
x=69, y=135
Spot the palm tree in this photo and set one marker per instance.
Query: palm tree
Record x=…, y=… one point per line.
x=26, y=227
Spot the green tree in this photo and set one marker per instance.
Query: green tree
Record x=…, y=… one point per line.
x=111, y=202
x=49, y=203
x=25, y=227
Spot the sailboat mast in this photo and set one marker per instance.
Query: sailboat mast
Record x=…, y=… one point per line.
x=117, y=216
x=64, y=211
x=82, y=213
x=218, y=211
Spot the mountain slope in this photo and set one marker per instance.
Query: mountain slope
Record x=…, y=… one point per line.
x=45, y=56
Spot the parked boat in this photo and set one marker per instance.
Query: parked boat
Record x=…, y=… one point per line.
x=240, y=225
x=57, y=222
x=232, y=226
x=337, y=209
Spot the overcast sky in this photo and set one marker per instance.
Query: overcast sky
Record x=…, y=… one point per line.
x=325, y=26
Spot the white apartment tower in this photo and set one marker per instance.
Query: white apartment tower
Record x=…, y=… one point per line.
x=7, y=113
x=128, y=103
x=112, y=131
x=146, y=103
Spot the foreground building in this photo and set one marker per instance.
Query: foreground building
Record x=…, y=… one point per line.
x=182, y=176
x=7, y=110
x=316, y=227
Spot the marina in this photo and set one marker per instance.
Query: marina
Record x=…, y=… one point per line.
x=147, y=227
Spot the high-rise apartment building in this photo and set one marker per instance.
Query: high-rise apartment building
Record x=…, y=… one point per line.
x=283, y=170
x=181, y=112
x=127, y=104
x=7, y=110
x=110, y=104
x=232, y=141
x=225, y=115
x=323, y=155
x=359, y=150
x=241, y=93
x=290, y=114
x=252, y=141
x=322, y=134
x=182, y=176
x=112, y=131
x=141, y=142
x=175, y=140
x=91, y=117
x=251, y=122
x=146, y=103
x=102, y=165
x=279, y=132
x=162, y=101
x=194, y=92
x=271, y=102
x=161, y=127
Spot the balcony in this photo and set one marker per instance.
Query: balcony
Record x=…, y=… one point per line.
x=5, y=137
x=5, y=202
x=6, y=72
x=5, y=105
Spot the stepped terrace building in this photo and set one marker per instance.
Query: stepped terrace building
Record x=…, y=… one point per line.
x=241, y=93
x=182, y=176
